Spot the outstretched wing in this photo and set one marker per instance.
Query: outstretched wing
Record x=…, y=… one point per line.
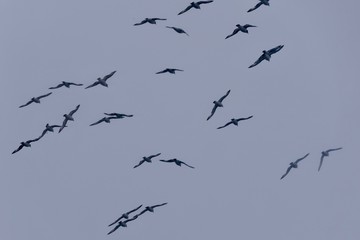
x=275, y=49
x=95, y=123
x=202, y=2
x=159, y=205
x=58, y=86
x=114, y=229
x=155, y=155
x=297, y=161
x=185, y=10
x=117, y=220
x=260, y=59
x=45, y=95
x=248, y=25
x=73, y=111
x=287, y=171
x=187, y=164
x=140, y=23
x=93, y=85
x=171, y=160
x=141, y=162
x=212, y=112
x=242, y=119
x=63, y=125
x=135, y=209
x=109, y=76
x=162, y=19
x=223, y=97
x=233, y=33
x=18, y=149
x=227, y=124
x=163, y=71
x=26, y=103
x=76, y=84
x=334, y=149
x=256, y=7
x=321, y=161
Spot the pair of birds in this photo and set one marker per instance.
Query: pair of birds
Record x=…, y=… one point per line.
x=126, y=216
x=174, y=160
x=219, y=103
x=295, y=164
x=111, y=116
x=153, y=21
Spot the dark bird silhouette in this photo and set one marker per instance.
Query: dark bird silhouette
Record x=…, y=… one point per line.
x=177, y=162
x=234, y=121
x=178, y=30
x=102, y=81
x=122, y=224
x=218, y=104
x=146, y=159
x=125, y=215
x=36, y=99
x=68, y=117
x=25, y=144
x=267, y=55
x=104, y=119
x=151, y=208
x=66, y=84
x=293, y=165
x=169, y=70
x=262, y=2
x=240, y=28
x=49, y=128
x=149, y=20
x=326, y=154
x=195, y=5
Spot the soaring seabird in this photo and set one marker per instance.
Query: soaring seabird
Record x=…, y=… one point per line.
x=122, y=224
x=102, y=81
x=293, y=165
x=234, y=121
x=326, y=154
x=240, y=28
x=26, y=144
x=149, y=20
x=169, y=70
x=118, y=115
x=151, y=208
x=49, y=128
x=218, y=104
x=177, y=162
x=194, y=5
x=146, y=159
x=68, y=117
x=36, y=99
x=104, y=119
x=262, y=2
x=267, y=55
x=178, y=30
x=125, y=215
x=66, y=84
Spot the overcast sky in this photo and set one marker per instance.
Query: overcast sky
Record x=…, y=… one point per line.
x=73, y=184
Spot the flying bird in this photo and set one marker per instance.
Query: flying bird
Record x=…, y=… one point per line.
x=102, y=81
x=118, y=115
x=169, y=70
x=68, y=117
x=66, y=84
x=234, y=121
x=125, y=215
x=326, y=154
x=149, y=20
x=104, y=119
x=267, y=55
x=49, y=128
x=293, y=165
x=240, y=28
x=194, y=5
x=36, y=99
x=218, y=104
x=122, y=224
x=262, y=2
x=151, y=208
x=178, y=30
x=177, y=162
x=25, y=144
x=146, y=159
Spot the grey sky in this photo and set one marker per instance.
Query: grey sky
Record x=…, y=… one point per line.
x=73, y=184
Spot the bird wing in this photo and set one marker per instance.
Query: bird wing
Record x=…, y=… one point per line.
x=45, y=95
x=163, y=71
x=159, y=205
x=321, y=162
x=163, y=19
x=18, y=149
x=34, y=140
x=44, y=132
x=110, y=114
x=202, y=2
x=187, y=164
x=95, y=123
x=242, y=119
x=176, y=69
x=93, y=85
x=73, y=111
x=140, y=23
x=223, y=97
x=259, y=60
x=233, y=33
x=114, y=229
x=275, y=49
x=26, y=104
x=171, y=160
x=141, y=162
x=212, y=112
x=227, y=124
x=135, y=209
x=297, y=161
x=58, y=86
x=185, y=10
x=109, y=76
x=248, y=25
x=63, y=125
x=155, y=155
x=256, y=6
x=334, y=149
x=76, y=84
x=287, y=171
x=117, y=220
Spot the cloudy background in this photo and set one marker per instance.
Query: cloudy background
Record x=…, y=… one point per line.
x=73, y=184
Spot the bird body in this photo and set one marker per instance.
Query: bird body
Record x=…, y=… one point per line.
x=151, y=208
x=125, y=215
x=25, y=144
x=169, y=70
x=122, y=224
x=235, y=121
x=177, y=162
x=102, y=81
x=261, y=2
x=68, y=117
x=218, y=104
x=293, y=165
x=178, y=30
x=118, y=115
x=104, y=119
x=195, y=5
x=326, y=154
x=146, y=159
x=266, y=55
x=35, y=99
x=241, y=28
x=149, y=20
x=66, y=84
